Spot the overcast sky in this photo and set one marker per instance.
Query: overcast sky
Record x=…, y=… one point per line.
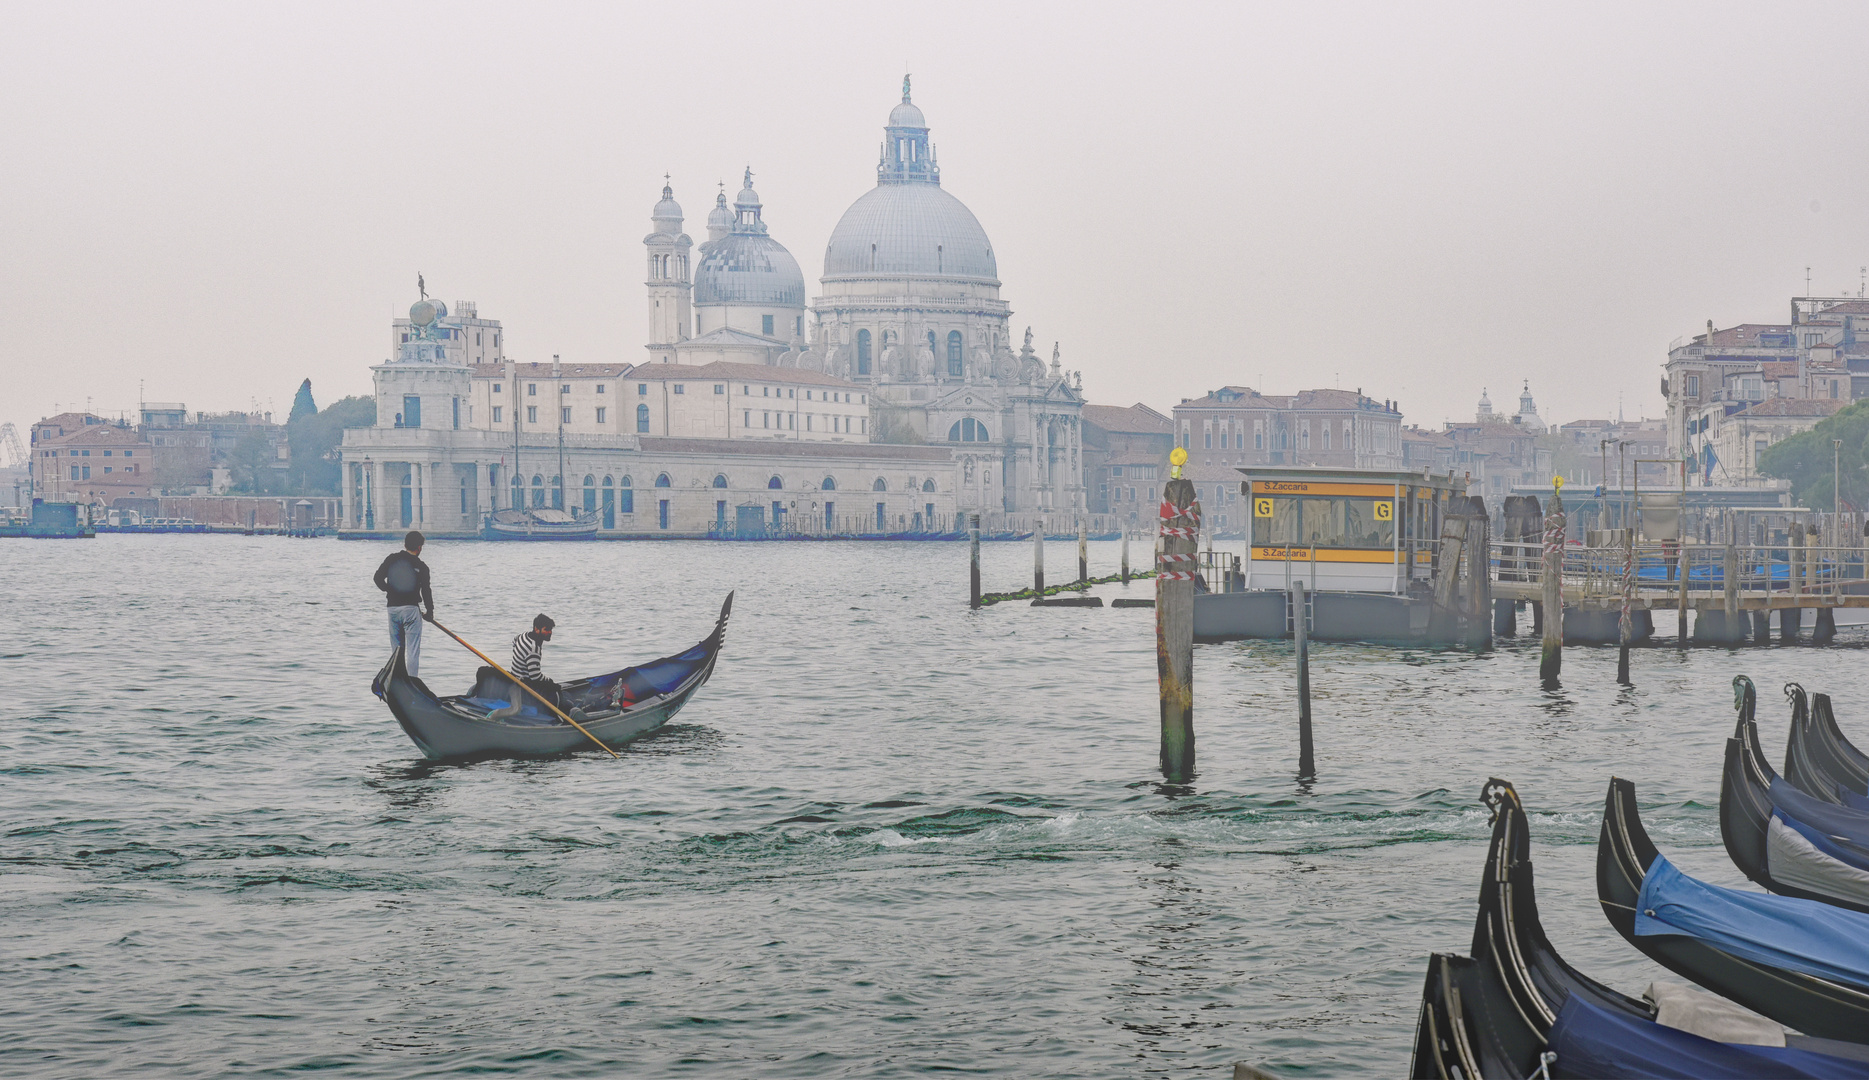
x=207, y=203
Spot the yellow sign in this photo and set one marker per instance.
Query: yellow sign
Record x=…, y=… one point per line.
x=1317, y=487
x=1385, y=511
x=1324, y=555
x=1262, y=508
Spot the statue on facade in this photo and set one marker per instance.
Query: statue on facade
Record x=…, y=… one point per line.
x=1028, y=340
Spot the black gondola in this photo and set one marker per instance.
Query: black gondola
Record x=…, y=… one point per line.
x=1495, y=1014
x=1813, y=846
x=1832, y=1007
x=1819, y=761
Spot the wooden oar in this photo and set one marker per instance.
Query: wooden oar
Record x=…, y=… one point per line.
x=521, y=684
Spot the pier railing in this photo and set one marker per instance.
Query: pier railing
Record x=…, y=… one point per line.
x=1783, y=574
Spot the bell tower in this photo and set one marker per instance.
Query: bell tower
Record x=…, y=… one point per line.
x=669, y=282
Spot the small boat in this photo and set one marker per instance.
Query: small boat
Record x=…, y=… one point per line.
x=1516, y=1009
x=1780, y=837
x=1804, y=964
x=539, y=524
x=616, y=708
x=1819, y=761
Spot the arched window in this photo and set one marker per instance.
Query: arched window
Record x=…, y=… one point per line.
x=609, y=482
x=642, y=419
x=775, y=484
x=954, y=364
x=863, y=352
x=830, y=484
x=519, y=493
x=928, y=485
x=626, y=498
x=967, y=430
x=538, y=491
x=625, y=482
x=590, y=494
x=662, y=480
x=879, y=485
x=590, y=481
x=558, y=493
x=720, y=480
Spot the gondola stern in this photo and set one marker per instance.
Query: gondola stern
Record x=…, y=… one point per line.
x=1745, y=702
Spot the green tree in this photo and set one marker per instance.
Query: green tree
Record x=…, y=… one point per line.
x=313, y=442
x=1811, y=458
x=250, y=463
x=302, y=404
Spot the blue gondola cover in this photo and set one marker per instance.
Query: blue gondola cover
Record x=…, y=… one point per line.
x=1593, y=1042
x=1779, y=931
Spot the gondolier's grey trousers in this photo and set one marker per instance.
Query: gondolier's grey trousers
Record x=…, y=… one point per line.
x=405, y=629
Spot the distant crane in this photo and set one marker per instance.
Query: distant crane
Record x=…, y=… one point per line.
x=10, y=447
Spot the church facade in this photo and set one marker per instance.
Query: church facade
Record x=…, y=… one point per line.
x=893, y=401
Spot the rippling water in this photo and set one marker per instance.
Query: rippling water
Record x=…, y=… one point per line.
x=890, y=837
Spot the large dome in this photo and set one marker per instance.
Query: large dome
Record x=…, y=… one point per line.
x=914, y=229
x=748, y=269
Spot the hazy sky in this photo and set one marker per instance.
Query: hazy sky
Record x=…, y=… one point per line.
x=215, y=202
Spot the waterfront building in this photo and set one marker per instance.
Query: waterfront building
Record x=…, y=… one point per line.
x=1731, y=442
x=93, y=462
x=1238, y=426
x=1126, y=450
x=1822, y=353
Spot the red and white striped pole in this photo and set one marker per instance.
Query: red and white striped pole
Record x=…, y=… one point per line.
x=1180, y=527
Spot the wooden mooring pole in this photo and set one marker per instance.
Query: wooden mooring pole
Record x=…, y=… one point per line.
x=1083, y=552
x=1038, y=557
x=1174, y=622
x=1624, y=628
x=1729, y=594
x=1301, y=636
x=1479, y=578
x=1125, y=554
x=973, y=574
x=1552, y=578
x=1680, y=636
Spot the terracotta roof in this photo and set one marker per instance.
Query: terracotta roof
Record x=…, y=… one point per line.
x=1137, y=418
x=1785, y=406
x=1847, y=307
x=796, y=448
x=544, y=371
x=1745, y=334
x=731, y=372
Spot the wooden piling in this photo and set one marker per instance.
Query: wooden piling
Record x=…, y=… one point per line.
x=1174, y=627
x=1083, y=552
x=1551, y=660
x=1826, y=627
x=1038, y=557
x=1729, y=574
x=973, y=544
x=1794, y=550
x=1444, y=619
x=1624, y=622
x=1479, y=578
x=1301, y=635
x=1505, y=618
x=1680, y=637
x=1125, y=574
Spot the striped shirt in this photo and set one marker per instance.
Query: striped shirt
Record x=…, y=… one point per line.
x=526, y=652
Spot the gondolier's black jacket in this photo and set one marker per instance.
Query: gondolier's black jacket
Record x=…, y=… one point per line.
x=405, y=578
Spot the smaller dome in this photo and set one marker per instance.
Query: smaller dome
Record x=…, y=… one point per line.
x=668, y=209
x=906, y=115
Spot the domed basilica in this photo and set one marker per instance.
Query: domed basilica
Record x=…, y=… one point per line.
x=908, y=306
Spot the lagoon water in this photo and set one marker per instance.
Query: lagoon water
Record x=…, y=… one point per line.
x=891, y=837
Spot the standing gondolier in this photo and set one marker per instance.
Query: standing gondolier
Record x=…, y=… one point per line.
x=404, y=577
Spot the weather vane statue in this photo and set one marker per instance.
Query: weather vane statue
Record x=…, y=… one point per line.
x=905, y=88
x=420, y=285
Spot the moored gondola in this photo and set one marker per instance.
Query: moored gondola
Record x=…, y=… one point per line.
x=1819, y=761
x=1515, y=1007
x=1782, y=838
x=1800, y=962
x=614, y=708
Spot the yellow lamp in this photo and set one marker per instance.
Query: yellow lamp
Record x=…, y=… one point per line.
x=1557, y=482
x=1176, y=458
